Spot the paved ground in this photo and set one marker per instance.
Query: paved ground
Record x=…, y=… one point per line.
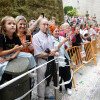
x=87, y=82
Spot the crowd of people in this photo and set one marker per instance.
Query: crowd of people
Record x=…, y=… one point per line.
x=40, y=41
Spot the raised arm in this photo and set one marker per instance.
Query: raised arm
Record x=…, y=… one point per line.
x=34, y=25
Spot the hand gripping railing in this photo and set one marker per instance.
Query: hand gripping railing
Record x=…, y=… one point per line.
x=22, y=75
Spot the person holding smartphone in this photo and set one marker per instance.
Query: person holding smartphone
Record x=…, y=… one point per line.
x=24, y=36
x=22, y=31
x=67, y=32
x=26, y=39
x=43, y=51
x=64, y=67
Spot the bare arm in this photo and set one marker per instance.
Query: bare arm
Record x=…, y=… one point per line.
x=61, y=43
x=34, y=25
x=82, y=37
x=13, y=56
x=6, y=52
x=52, y=53
x=42, y=55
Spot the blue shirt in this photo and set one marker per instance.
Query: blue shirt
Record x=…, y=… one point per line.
x=61, y=50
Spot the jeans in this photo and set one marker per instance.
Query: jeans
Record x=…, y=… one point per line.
x=29, y=56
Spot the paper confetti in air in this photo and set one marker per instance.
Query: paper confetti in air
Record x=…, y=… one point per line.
x=89, y=96
x=93, y=90
x=81, y=82
x=76, y=90
x=76, y=84
x=87, y=85
x=98, y=73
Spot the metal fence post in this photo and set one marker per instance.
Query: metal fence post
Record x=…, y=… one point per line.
x=57, y=89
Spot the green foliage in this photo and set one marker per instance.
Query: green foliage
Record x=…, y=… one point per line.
x=72, y=13
x=67, y=8
x=32, y=8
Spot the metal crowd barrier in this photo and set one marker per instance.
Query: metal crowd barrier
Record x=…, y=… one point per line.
x=96, y=46
x=80, y=56
x=26, y=73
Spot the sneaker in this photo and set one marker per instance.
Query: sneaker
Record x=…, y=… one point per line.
x=74, y=64
x=50, y=97
x=85, y=62
x=69, y=91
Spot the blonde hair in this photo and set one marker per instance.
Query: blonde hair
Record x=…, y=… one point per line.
x=3, y=22
x=65, y=24
x=18, y=18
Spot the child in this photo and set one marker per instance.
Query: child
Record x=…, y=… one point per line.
x=10, y=44
x=87, y=37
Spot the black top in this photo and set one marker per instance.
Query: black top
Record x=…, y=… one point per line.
x=78, y=40
x=34, y=32
x=7, y=43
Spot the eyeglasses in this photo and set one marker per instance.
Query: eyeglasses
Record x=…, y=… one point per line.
x=45, y=24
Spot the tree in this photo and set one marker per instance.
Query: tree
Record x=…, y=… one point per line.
x=67, y=8
x=72, y=13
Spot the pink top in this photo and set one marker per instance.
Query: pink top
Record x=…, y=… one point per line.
x=73, y=29
x=62, y=33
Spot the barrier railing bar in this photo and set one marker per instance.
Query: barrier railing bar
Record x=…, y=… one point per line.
x=82, y=66
x=22, y=75
x=23, y=96
x=93, y=54
x=57, y=89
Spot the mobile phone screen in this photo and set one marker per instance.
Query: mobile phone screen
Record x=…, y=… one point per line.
x=66, y=35
x=28, y=37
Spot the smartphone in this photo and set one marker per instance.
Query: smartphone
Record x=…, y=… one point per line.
x=42, y=14
x=28, y=37
x=70, y=39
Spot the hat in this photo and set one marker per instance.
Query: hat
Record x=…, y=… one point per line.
x=52, y=28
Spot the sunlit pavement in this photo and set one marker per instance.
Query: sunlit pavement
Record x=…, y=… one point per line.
x=87, y=82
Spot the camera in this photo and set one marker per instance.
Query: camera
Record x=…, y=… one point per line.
x=47, y=50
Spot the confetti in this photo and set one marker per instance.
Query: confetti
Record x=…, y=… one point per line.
x=88, y=97
x=93, y=90
x=80, y=73
x=98, y=73
x=81, y=82
x=87, y=85
x=76, y=90
x=33, y=93
x=76, y=84
x=68, y=99
x=95, y=72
